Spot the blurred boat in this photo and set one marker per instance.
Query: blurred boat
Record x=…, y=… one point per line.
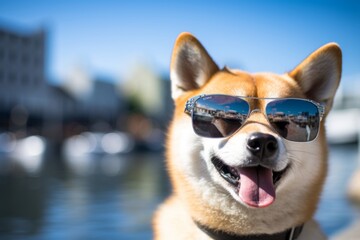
x=25, y=153
x=91, y=152
x=343, y=126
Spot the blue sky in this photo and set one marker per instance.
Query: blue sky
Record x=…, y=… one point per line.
x=108, y=37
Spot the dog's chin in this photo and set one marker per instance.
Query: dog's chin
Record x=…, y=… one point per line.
x=253, y=186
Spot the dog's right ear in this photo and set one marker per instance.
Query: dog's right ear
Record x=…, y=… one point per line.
x=319, y=74
x=191, y=65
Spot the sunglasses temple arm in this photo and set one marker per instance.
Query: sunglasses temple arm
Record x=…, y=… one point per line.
x=321, y=107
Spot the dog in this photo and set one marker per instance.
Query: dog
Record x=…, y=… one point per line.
x=246, y=153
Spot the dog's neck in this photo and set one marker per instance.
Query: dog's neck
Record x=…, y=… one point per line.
x=288, y=234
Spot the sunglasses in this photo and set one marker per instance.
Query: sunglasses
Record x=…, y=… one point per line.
x=219, y=116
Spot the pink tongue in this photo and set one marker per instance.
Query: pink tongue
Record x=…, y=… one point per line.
x=256, y=187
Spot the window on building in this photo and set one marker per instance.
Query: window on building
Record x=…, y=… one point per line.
x=37, y=62
x=25, y=42
x=2, y=54
x=25, y=59
x=38, y=43
x=13, y=57
x=12, y=77
x=25, y=79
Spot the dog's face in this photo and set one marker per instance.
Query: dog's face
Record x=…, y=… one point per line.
x=254, y=175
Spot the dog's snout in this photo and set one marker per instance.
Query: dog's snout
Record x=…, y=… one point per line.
x=262, y=145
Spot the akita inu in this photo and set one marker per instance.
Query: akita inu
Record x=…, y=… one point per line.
x=246, y=153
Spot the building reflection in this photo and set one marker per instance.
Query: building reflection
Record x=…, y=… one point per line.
x=301, y=119
x=215, y=122
x=295, y=126
x=211, y=112
x=22, y=204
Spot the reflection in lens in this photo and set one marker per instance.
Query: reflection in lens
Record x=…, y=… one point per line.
x=294, y=119
x=219, y=115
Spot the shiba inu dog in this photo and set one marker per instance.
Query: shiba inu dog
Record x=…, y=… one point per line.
x=246, y=153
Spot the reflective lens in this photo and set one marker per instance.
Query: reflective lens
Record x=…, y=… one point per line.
x=217, y=116
x=294, y=119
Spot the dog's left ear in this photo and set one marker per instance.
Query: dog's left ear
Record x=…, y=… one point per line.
x=191, y=65
x=319, y=74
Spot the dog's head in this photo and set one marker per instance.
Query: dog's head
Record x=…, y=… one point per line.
x=253, y=175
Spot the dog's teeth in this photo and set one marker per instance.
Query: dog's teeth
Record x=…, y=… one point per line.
x=233, y=171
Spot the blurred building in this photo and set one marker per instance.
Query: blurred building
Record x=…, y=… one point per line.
x=23, y=87
x=100, y=107
x=143, y=88
x=30, y=105
x=104, y=102
x=148, y=92
x=82, y=102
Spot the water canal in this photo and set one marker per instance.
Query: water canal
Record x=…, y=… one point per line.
x=114, y=197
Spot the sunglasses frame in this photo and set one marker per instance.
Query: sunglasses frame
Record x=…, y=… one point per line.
x=190, y=104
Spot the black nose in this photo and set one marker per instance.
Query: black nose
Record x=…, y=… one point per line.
x=262, y=145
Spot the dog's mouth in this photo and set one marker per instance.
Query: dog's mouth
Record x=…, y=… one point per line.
x=254, y=185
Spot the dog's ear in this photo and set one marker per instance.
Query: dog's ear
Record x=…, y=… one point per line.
x=319, y=74
x=191, y=65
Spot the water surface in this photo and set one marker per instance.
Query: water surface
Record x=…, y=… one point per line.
x=115, y=198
